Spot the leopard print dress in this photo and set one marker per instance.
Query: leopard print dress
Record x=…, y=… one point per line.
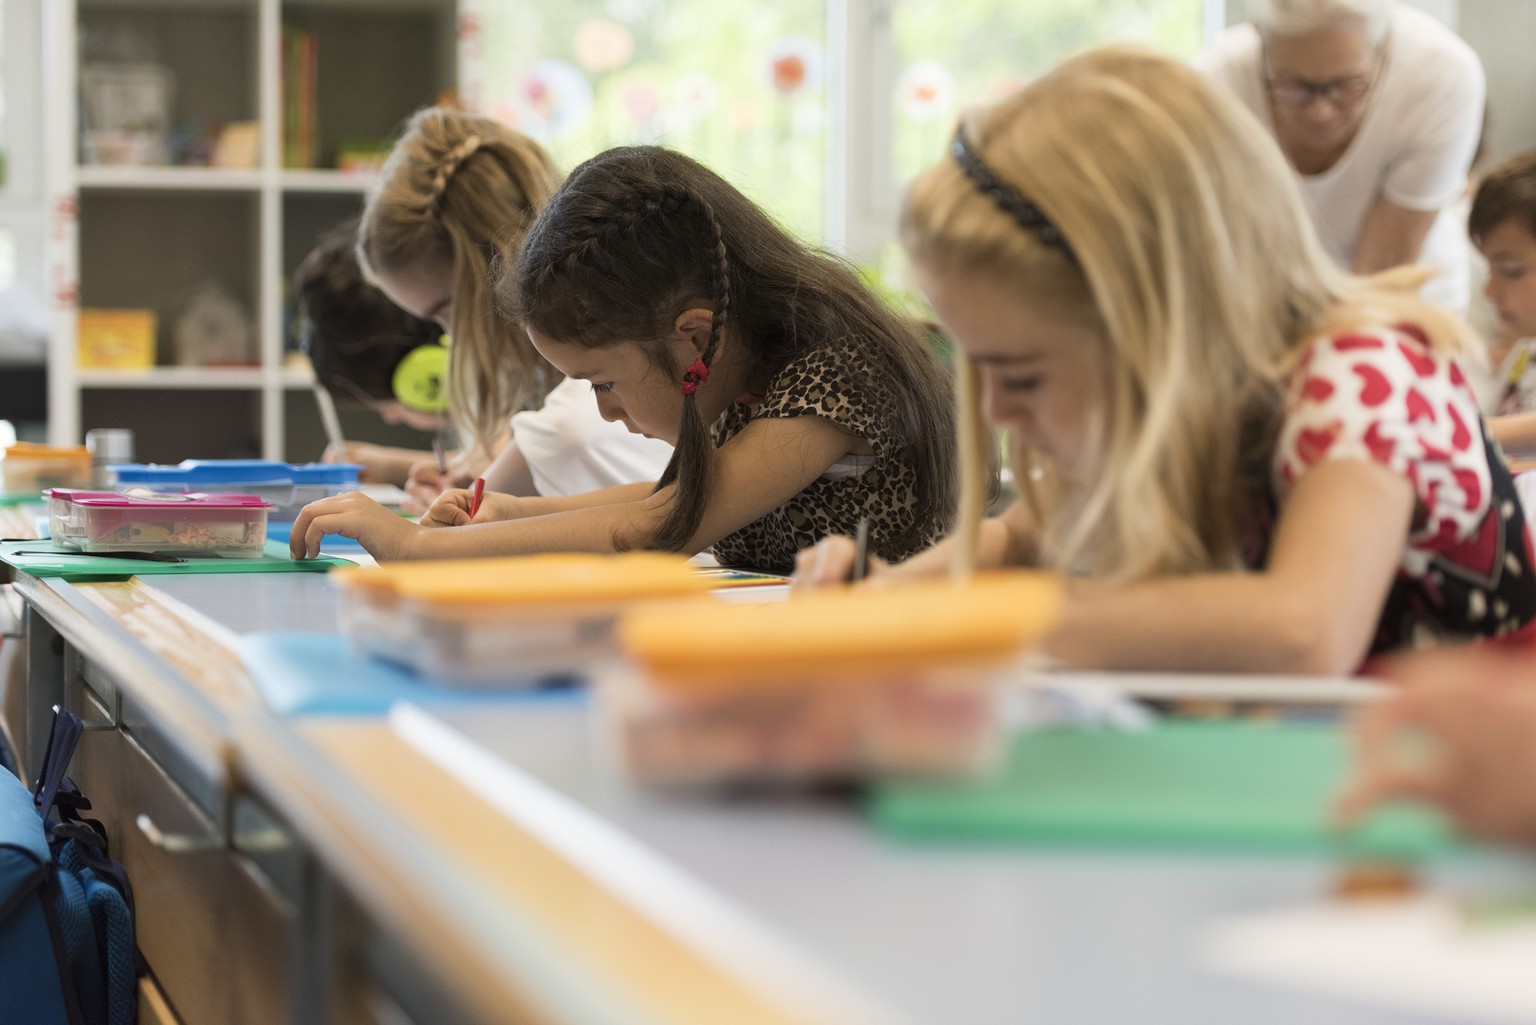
x=839, y=383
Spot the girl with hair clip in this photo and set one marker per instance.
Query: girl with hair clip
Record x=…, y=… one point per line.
x=456, y=193
x=1245, y=459
x=799, y=403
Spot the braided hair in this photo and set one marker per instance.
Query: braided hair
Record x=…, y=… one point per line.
x=638, y=234
x=458, y=192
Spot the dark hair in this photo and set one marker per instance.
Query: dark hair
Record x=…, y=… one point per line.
x=354, y=335
x=1506, y=193
x=638, y=233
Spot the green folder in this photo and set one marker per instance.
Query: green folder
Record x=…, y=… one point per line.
x=43, y=559
x=1227, y=785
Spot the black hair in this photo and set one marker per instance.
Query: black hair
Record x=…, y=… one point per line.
x=354, y=335
x=1507, y=193
x=638, y=234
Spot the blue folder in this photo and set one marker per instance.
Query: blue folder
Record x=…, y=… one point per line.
x=316, y=674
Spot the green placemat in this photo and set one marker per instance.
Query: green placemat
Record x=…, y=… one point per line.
x=20, y=497
x=1237, y=785
x=43, y=559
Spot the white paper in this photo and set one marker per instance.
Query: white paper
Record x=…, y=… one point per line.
x=1416, y=954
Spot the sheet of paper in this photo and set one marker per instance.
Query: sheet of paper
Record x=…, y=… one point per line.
x=1417, y=954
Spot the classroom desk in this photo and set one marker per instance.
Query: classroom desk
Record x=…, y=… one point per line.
x=386, y=890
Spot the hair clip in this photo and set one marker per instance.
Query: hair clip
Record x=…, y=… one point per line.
x=1008, y=198
x=696, y=374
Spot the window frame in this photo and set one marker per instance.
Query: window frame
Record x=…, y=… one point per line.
x=23, y=205
x=862, y=192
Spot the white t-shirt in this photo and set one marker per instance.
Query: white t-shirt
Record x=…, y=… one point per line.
x=570, y=449
x=1414, y=145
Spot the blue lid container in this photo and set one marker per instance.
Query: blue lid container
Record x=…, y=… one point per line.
x=198, y=473
x=288, y=487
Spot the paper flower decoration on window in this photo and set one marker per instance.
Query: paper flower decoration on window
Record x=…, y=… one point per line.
x=695, y=96
x=556, y=99
x=926, y=91
x=602, y=45
x=794, y=64
x=641, y=100
x=1006, y=87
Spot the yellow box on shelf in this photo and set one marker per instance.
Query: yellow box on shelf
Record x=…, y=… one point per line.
x=110, y=339
x=830, y=686
x=506, y=621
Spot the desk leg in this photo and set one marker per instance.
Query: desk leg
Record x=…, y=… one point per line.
x=45, y=686
x=312, y=947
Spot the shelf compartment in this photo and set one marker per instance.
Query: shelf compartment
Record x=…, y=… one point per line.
x=172, y=424
x=161, y=250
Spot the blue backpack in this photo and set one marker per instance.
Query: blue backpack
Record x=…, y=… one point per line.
x=67, y=952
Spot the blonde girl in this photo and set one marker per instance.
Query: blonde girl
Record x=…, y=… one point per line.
x=457, y=193
x=1246, y=459
x=799, y=403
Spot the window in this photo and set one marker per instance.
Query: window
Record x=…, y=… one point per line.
x=818, y=109
x=954, y=52
x=740, y=87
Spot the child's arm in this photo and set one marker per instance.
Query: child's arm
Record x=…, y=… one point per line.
x=1515, y=433
x=381, y=464
x=452, y=507
x=508, y=473
x=761, y=468
x=1003, y=540
x=1313, y=609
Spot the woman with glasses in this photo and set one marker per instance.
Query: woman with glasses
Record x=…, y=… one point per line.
x=1377, y=107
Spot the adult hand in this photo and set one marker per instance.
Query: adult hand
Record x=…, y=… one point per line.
x=1476, y=709
x=382, y=533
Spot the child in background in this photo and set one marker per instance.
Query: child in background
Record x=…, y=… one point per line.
x=1503, y=227
x=800, y=404
x=457, y=192
x=1248, y=460
x=356, y=338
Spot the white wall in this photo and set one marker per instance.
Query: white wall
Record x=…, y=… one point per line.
x=1503, y=32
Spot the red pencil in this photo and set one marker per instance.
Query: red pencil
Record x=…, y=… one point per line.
x=474, y=499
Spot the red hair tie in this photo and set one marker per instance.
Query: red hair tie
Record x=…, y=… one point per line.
x=696, y=374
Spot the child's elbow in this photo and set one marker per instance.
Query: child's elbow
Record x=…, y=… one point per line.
x=1311, y=640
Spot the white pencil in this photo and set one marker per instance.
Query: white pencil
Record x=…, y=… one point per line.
x=332, y=422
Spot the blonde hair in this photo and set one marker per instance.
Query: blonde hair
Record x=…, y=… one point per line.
x=458, y=192
x=1189, y=257
x=1298, y=17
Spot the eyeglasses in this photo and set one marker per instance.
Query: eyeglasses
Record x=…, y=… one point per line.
x=1339, y=92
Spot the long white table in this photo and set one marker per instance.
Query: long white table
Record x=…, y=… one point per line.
x=392, y=888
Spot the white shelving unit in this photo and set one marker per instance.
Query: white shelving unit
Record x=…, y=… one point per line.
x=146, y=237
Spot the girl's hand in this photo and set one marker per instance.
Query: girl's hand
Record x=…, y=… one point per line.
x=452, y=508
x=378, y=465
x=382, y=533
x=426, y=482
x=831, y=562
x=1477, y=710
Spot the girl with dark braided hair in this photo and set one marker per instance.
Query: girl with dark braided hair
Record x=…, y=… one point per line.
x=457, y=192
x=798, y=402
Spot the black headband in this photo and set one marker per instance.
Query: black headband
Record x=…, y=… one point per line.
x=1006, y=196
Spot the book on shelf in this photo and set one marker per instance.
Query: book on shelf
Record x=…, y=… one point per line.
x=300, y=65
